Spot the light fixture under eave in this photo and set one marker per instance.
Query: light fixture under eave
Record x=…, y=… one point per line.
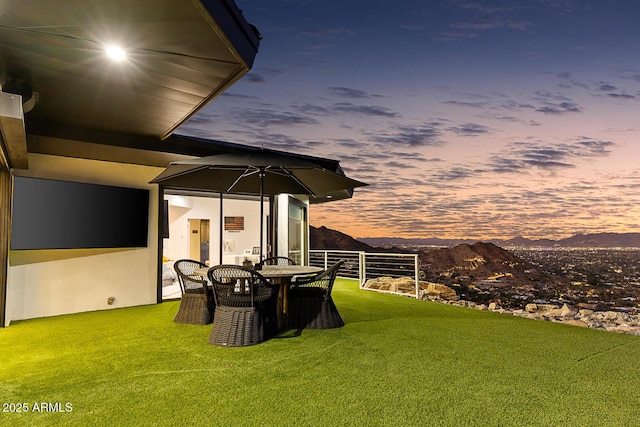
x=24, y=89
x=115, y=52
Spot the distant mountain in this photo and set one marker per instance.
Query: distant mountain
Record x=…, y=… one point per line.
x=600, y=240
x=399, y=241
x=481, y=260
x=325, y=238
x=604, y=240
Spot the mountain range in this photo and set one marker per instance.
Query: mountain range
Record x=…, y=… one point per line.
x=475, y=261
x=599, y=240
x=325, y=238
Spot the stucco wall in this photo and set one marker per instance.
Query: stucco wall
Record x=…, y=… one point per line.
x=47, y=283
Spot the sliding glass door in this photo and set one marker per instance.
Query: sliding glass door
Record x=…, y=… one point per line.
x=297, y=232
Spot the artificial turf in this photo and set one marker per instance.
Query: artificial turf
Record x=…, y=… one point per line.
x=397, y=362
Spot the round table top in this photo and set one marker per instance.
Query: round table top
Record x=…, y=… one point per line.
x=276, y=270
x=288, y=270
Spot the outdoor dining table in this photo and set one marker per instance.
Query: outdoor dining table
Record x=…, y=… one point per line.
x=282, y=276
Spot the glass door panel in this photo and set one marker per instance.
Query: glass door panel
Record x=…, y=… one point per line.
x=297, y=232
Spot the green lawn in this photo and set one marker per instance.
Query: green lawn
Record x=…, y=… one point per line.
x=396, y=362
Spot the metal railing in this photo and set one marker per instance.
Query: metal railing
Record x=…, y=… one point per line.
x=365, y=265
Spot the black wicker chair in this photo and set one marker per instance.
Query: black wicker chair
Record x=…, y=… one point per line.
x=197, y=303
x=310, y=303
x=246, y=310
x=278, y=260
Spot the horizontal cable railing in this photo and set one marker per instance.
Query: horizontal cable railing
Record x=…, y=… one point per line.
x=326, y=258
x=364, y=265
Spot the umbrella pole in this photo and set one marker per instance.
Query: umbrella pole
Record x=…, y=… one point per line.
x=221, y=231
x=261, y=210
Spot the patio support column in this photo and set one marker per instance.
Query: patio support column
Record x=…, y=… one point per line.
x=221, y=230
x=5, y=231
x=160, y=238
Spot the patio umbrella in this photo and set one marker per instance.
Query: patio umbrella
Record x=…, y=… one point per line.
x=258, y=173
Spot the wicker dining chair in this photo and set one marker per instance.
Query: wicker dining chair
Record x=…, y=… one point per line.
x=278, y=260
x=246, y=306
x=310, y=303
x=197, y=302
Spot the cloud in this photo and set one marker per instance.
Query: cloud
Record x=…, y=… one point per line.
x=613, y=92
x=458, y=35
x=607, y=87
x=524, y=155
x=511, y=105
x=397, y=165
x=255, y=78
x=560, y=108
x=521, y=156
x=490, y=17
x=517, y=24
x=411, y=27
x=555, y=103
x=480, y=6
x=314, y=110
x=427, y=135
x=466, y=104
x=621, y=95
x=469, y=129
x=594, y=148
x=265, y=118
x=350, y=93
x=238, y=96
x=455, y=173
x=363, y=110
x=349, y=143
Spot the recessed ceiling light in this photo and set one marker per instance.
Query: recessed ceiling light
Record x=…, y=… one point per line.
x=115, y=52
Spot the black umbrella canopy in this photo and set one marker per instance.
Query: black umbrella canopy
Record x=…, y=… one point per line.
x=258, y=173
x=255, y=173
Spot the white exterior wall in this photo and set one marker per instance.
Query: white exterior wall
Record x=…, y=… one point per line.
x=52, y=282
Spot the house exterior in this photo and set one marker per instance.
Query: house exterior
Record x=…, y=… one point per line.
x=68, y=114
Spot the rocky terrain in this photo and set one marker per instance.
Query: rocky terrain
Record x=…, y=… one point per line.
x=611, y=321
x=485, y=276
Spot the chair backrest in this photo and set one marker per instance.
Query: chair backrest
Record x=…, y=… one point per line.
x=238, y=286
x=278, y=260
x=189, y=281
x=323, y=280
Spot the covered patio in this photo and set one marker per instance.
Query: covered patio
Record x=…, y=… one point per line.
x=70, y=113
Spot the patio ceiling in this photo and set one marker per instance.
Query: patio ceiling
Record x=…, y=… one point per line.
x=181, y=54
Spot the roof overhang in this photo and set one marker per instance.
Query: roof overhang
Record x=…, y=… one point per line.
x=181, y=54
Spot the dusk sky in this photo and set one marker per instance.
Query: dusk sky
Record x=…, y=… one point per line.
x=469, y=119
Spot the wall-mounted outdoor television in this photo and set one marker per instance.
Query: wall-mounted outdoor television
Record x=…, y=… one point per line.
x=52, y=214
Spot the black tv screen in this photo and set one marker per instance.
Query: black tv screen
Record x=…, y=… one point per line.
x=51, y=214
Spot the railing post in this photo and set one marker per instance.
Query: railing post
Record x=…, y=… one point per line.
x=362, y=258
x=417, y=275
